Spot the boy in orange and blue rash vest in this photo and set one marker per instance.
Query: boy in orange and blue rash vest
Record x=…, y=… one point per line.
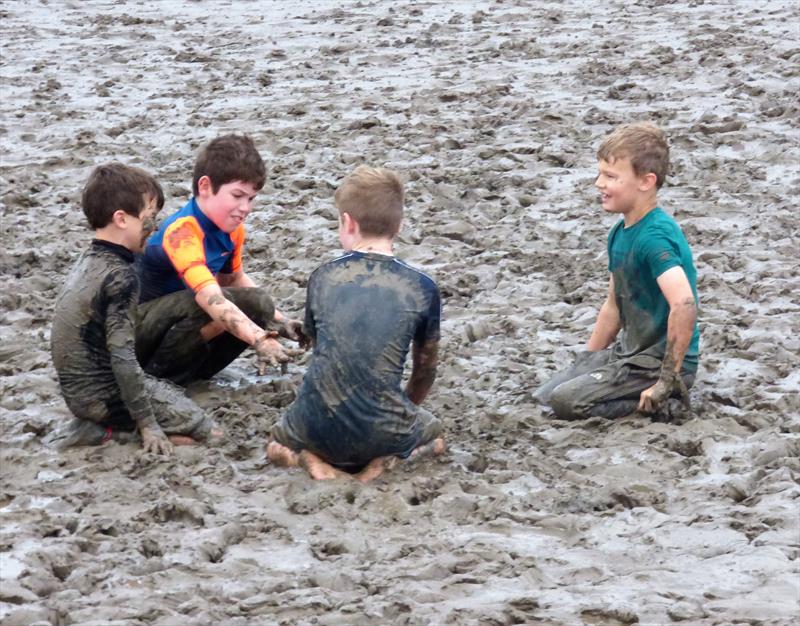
x=199, y=309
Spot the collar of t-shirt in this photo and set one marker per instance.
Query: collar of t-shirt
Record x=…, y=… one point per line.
x=370, y=252
x=117, y=249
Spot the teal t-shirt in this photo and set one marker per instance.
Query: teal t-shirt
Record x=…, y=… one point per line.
x=637, y=256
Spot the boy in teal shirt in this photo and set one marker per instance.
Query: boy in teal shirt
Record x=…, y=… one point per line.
x=652, y=294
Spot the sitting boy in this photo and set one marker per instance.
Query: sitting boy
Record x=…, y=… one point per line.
x=199, y=309
x=92, y=338
x=652, y=294
x=363, y=311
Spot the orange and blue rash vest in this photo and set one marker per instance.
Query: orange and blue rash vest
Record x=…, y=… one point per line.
x=187, y=251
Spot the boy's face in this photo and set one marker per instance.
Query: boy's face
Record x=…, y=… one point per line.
x=229, y=207
x=143, y=226
x=620, y=188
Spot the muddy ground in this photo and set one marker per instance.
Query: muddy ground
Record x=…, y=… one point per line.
x=493, y=112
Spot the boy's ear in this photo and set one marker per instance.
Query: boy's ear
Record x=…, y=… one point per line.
x=204, y=187
x=349, y=223
x=647, y=181
x=120, y=219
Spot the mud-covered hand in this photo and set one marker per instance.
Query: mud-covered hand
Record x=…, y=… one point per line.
x=269, y=353
x=154, y=440
x=292, y=329
x=652, y=398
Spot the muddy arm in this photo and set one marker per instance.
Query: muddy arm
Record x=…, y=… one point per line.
x=287, y=328
x=682, y=316
x=680, y=327
x=608, y=322
x=122, y=294
x=424, y=358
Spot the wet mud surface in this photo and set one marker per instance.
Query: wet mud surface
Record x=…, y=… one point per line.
x=493, y=110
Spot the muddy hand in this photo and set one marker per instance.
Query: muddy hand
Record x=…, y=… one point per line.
x=154, y=440
x=270, y=354
x=652, y=398
x=293, y=329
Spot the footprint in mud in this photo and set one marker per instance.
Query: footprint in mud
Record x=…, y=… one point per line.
x=183, y=511
x=324, y=551
x=424, y=490
x=304, y=497
x=217, y=541
x=609, y=617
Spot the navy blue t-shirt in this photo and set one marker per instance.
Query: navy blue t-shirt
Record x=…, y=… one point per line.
x=363, y=311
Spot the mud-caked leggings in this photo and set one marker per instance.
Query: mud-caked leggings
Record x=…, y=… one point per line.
x=98, y=420
x=168, y=340
x=600, y=385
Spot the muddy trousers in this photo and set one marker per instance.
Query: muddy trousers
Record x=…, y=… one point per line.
x=168, y=340
x=100, y=419
x=599, y=385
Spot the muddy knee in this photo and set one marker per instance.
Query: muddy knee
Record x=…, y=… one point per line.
x=254, y=302
x=565, y=403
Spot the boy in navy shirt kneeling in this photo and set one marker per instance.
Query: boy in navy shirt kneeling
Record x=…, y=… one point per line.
x=363, y=311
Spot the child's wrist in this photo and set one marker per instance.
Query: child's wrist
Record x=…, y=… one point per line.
x=263, y=336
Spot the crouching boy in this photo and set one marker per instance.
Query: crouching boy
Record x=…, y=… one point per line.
x=92, y=337
x=199, y=309
x=363, y=312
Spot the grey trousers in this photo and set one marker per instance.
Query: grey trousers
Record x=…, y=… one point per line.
x=168, y=340
x=598, y=385
x=175, y=413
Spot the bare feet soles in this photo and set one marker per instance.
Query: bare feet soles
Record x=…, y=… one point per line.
x=433, y=448
x=375, y=468
x=181, y=440
x=281, y=455
x=214, y=438
x=320, y=470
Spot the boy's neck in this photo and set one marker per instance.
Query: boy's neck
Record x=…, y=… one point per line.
x=111, y=235
x=201, y=204
x=381, y=245
x=639, y=211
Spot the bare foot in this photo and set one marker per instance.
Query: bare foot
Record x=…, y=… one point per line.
x=319, y=469
x=281, y=455
x=433, y=448
x=375, y=468
x=215, y=437
x=182, y=440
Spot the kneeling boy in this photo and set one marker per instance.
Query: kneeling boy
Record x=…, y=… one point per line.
x=92, y=338
x=363, y=312
x=652, y=294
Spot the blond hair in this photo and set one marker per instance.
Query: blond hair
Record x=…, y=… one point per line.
x=373, y=196
x=644, y=144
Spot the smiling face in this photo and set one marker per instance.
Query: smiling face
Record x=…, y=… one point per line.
x=229, y=207
x=621, y=190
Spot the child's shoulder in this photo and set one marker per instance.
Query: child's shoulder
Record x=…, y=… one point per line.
x=355, y=261
x=422, y=275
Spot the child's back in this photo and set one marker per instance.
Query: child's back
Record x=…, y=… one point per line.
x=364, y=310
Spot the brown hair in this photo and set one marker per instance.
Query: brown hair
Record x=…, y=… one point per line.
x=117, y=187
x=644, y=144
x=227, y=159
x=373, y=196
